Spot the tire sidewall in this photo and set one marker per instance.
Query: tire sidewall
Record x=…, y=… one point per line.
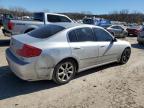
x=121, y=60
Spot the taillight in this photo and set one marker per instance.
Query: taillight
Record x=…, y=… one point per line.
x=10, y=25
x=29, y=51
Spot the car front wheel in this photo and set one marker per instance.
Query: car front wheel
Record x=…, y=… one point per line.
x=64, y=72
x=125, y=56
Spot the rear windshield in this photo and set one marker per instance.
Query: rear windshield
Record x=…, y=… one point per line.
x=46, y=31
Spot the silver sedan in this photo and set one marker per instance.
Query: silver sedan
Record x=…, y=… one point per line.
x=118, y=31
x=59, y=51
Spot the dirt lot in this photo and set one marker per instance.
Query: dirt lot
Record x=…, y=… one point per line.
x=110, y=86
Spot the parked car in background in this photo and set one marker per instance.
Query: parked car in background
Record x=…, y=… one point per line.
x=59, y=51
x=140, y=37
x=1, y=21
x=14, y=27
x=97, y=22
x=118, y=31
x=133, y=30
x=3, y=18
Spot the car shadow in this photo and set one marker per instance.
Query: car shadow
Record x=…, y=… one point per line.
x=96, y=69
x=11, y=86
x=5, y=42
x=138, y=46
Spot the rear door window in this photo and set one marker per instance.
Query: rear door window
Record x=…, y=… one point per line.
x=84, y=34
x=81, y=35
x=46, y=31
x=56, y=18
x=64, y=19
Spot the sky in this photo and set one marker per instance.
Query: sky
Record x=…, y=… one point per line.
x=93, y=6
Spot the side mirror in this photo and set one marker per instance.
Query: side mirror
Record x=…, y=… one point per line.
x=114, y=39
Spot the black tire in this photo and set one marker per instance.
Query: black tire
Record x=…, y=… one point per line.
x=64, y=73
x=125, y=56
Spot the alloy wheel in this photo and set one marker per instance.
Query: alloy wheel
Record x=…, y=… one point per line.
x=126, y=55
x=65, y=71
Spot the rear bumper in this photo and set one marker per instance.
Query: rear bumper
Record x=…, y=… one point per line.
x=133, y=33
x=33, y=71
x=21, y=69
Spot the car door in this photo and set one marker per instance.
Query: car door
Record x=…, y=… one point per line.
x=83, y=47
x=108, y=49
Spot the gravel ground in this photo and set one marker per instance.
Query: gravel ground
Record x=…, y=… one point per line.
x=110, y=86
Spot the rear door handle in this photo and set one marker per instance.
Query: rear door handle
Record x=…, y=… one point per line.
x=102, y=46
x=76, y=48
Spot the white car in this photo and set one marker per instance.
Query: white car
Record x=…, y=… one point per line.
x=58, y=51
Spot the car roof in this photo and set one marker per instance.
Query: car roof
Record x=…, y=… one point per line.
x=71, y=25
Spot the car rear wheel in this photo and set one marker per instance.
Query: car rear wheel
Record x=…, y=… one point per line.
x=64, y=72
x=125, y=56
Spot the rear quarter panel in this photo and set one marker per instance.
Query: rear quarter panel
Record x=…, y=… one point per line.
x=55, y=48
